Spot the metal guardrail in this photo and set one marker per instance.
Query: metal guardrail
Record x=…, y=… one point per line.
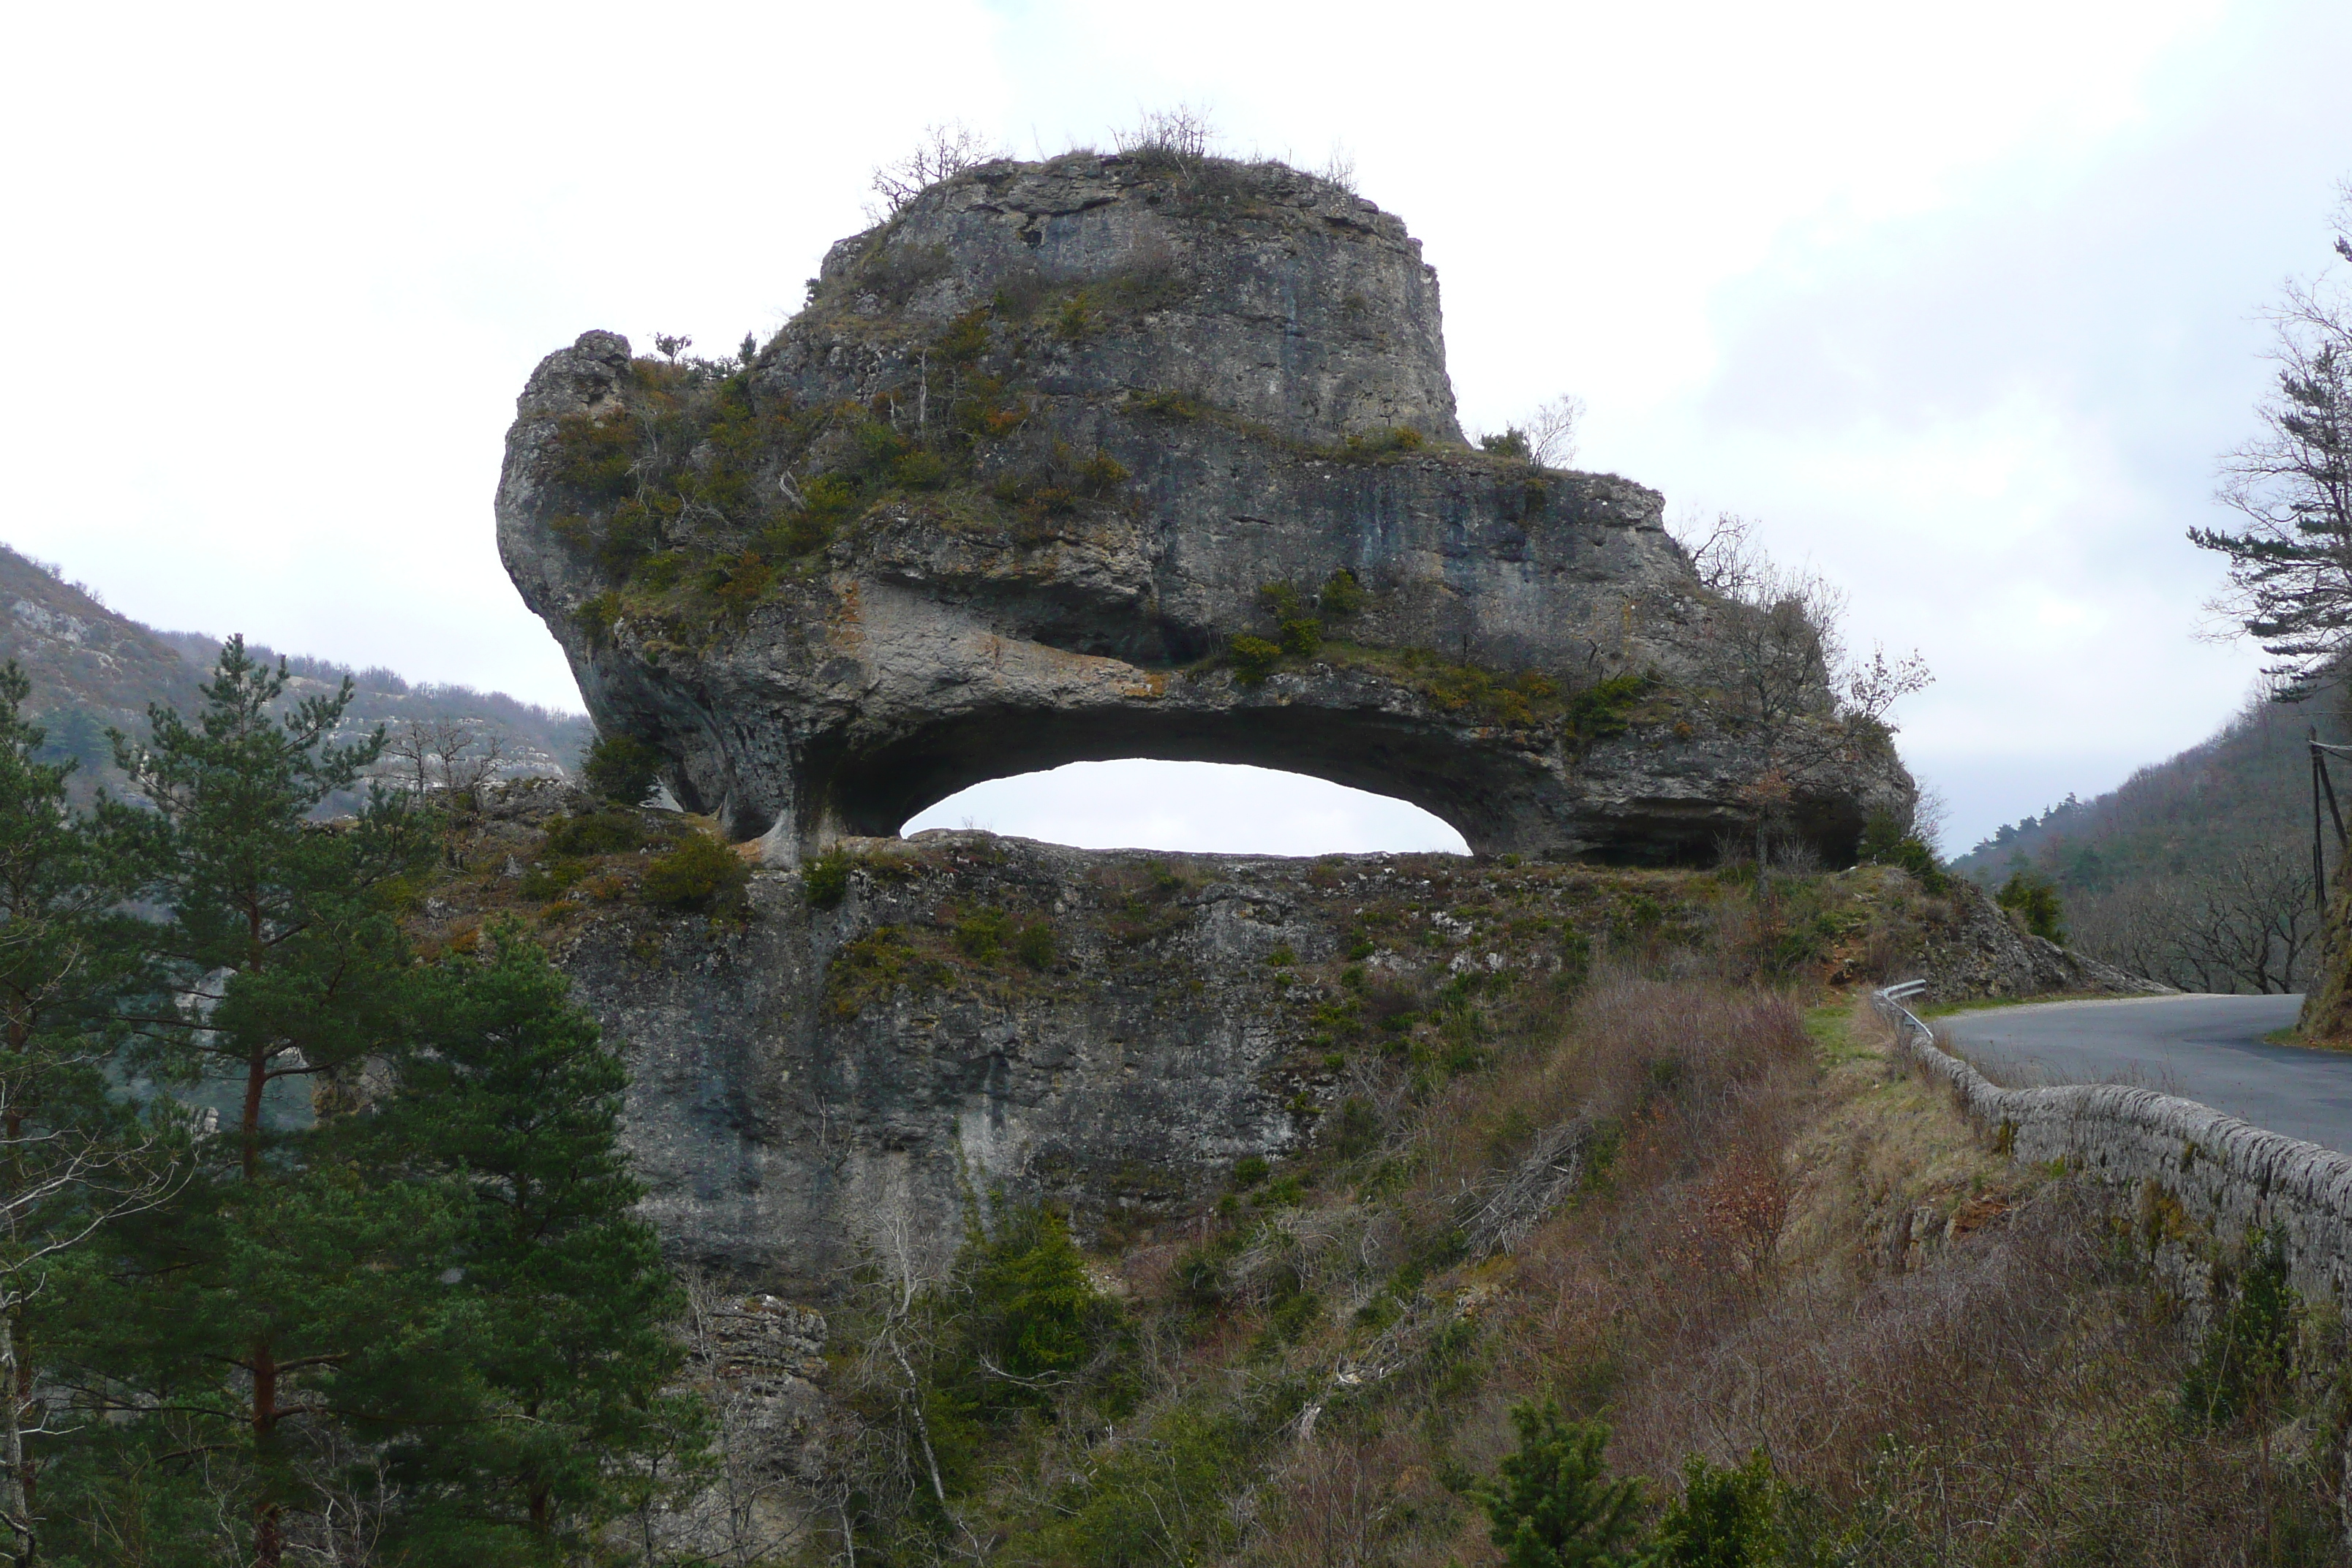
x=1887, y=1002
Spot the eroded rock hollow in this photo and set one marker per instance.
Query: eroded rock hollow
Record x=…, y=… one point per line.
x=1106, y=457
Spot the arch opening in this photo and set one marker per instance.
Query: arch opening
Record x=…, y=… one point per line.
x=1191, y=807
x=1416, y=767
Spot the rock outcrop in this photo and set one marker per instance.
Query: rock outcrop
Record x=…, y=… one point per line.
x=1980, y=954
x=1106, y=457
x=871, y=1046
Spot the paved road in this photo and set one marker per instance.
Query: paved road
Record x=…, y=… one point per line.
x=2205, y=1048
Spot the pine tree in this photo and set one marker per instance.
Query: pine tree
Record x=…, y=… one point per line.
x=282, y=936
x=2291, y=565
x=1555, y=1506
x=427, y=1307
x=551, y=1413
x=71, y=1158
x=284, y=1271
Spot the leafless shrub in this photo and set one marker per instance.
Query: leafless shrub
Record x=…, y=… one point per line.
x=1725, y=554
x=1327, y=1506
x=1340, y=169
x=1182, y=135
x=945, y=151
x=456, y=757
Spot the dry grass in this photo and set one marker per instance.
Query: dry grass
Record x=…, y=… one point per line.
x=1797, y=1248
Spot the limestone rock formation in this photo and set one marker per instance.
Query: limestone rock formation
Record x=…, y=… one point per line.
x=1981, y=953
x=1128, y=457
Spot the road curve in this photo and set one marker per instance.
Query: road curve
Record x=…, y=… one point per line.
x=2205, y=1048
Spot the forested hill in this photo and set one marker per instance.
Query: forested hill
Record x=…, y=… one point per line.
x=93, y=670
x=2196, y=868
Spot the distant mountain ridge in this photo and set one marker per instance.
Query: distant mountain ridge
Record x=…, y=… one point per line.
x=2248, y=784
x=93, y=669
x=2197, y=870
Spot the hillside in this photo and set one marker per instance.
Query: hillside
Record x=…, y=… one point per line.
x=1328, y=1164
x=93, y=669
x=2195, y=870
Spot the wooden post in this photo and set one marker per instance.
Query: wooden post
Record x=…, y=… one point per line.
x=2318, y=861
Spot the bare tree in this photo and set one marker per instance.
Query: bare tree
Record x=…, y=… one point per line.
x=1551, y=431
x=1774, y=654
x=1547, y=440
x=2291, y=565
x=2250, y=925
x=1723, y=554
x=945, y=151
x=1339, y=168
x=457, y=757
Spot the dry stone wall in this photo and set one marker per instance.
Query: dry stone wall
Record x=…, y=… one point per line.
x=2188, y=1171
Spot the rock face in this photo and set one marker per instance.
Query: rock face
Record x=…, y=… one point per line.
x=1980, y=954
x=1111, y=1033
x=863, y=1052
x=1108, y=458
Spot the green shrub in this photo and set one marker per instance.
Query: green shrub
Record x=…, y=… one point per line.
x=1380, y=443
x=597, y=833
x=983, y=934
x=2242, y=1369
x=701, y=874
x=659, y=572
x=1161, y=1496
x=1511, y=443
x=1605, y=709
x=1292, y=1316
x=1723, y=1519
x=541, y=883
x=1253, y=658
x=920, y=471
x=1913, y=855
x=827, y=501
x=1303, y=638
x=1342, y=594
x=1358, y=1130
x=597, y=615
x=1887, y=842
x=1034, y=945
x=1170, y=405
x=2034, y=900
x=1283, y=601
x=595, y=456
x=622, y=768
x=825, y=880
x=1248, y=1172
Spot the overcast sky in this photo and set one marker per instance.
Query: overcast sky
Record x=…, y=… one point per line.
x=1959, y=302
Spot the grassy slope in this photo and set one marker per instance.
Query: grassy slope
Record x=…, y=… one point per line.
x=1776, y=1240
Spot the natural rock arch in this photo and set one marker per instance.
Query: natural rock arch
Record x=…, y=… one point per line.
x=1105, y=458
